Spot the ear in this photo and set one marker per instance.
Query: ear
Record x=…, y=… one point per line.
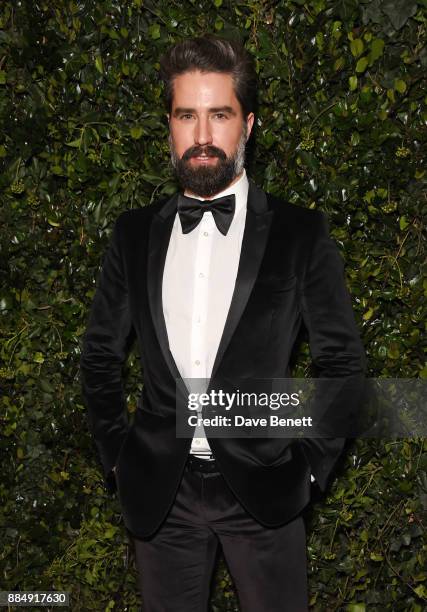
x=249, y=124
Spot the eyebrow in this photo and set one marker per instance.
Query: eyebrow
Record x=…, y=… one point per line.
x=216, y=109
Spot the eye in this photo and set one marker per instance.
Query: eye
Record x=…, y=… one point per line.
x=220, y=116
x=186, y=116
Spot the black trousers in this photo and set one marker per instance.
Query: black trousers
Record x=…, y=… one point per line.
x=175, y=566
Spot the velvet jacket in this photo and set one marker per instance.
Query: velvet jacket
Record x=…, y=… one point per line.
x=290, y=274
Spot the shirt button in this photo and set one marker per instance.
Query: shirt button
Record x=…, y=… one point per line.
x=197, y=362
x=205, y=233
x=198, y=442
x=201, y=275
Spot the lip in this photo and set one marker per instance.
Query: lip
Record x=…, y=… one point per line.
x=204, y=159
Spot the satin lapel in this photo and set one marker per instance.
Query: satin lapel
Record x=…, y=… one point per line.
x=160, y=231
x=257, y=225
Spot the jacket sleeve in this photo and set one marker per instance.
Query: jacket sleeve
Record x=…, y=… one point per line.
x=106, y=343
x=336, y=349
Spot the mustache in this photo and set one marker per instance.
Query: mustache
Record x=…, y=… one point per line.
x=208, y=150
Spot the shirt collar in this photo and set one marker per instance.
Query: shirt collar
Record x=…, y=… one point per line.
x=240, y=188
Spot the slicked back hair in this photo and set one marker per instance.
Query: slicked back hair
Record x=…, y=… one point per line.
x=210, y=53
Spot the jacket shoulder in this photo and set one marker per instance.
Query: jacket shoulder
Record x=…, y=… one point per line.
x=136, y=217
x=297, y=218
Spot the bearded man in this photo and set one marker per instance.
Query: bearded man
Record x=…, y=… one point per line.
x=214, y=282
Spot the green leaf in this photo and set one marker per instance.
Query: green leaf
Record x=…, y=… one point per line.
x=57, y=170
x=421, y=591
x=355, y=138
x=377, y=48
x=136, y=132
x=53, y=222
x=74, y=143
x=339, y=63
x=403, y=223
x=119, y=162
x=98, y=64
x=2, y=77
x=356, y=47
x=154, y=31
x=400, y=85
x=110, y=532
x=336, y=29
x=362, y=64
x=368, y=314
x=152, y=179
x=347, y=9
x=352, y=81
x=320, y=40
x=393, y=351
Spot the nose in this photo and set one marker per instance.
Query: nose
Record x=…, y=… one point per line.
x=202, y=134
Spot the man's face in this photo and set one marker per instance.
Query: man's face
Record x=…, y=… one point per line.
x=208, y=133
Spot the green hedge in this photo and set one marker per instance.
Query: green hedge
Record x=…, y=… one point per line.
x=83, y=138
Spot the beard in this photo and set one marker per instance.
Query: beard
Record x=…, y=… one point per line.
x=206, y=181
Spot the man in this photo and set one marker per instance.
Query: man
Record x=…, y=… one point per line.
x=211, y=290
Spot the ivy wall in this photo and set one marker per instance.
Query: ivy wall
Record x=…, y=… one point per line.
x=341, y=127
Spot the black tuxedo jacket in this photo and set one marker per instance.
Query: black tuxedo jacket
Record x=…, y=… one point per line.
x=290, y=273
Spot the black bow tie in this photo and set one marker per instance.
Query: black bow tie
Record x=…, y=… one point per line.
x=191, y=211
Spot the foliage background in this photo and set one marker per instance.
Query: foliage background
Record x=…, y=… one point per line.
x=341, y=127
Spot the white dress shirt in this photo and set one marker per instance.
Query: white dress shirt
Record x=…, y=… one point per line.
x=198, y=283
